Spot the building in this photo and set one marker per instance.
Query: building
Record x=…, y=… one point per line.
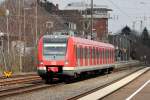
x=81, y=12
x=123, y=46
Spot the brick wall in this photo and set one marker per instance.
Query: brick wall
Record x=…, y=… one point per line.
x=101, y=26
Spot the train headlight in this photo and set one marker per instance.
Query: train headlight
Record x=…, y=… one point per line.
x=41, y=63
x=66, y=62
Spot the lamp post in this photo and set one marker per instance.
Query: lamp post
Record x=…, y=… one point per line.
x=25, y=9
x=7, y=16
x=24, y=26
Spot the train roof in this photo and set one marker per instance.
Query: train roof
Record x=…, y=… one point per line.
x=91, y=42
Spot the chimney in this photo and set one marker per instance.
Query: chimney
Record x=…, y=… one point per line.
x=57, y=8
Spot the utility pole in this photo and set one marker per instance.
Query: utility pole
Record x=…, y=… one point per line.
x=91, y=19
x=36, y=37
x=133, y=25
x=7, y=16
x=20, y=58
x=141, y=25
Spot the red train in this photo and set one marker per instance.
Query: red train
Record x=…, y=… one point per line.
x=60, y=56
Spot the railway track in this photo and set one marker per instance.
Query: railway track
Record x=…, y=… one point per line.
x=23, y=84
x=35, y=86
x=26, y=89
x=25, y=79
x=19, y=75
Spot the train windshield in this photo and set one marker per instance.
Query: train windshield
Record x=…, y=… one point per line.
x=54, y=48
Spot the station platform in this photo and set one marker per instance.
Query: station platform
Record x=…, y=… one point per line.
x=139, y=89
x=129, y=92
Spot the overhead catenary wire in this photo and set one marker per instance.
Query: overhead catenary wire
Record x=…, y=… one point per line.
x=122, y=11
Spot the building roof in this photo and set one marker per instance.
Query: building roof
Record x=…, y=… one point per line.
x=84, y=6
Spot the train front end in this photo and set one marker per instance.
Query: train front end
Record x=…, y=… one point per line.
x=51, y=55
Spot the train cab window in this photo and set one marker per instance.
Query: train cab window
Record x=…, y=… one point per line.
x=54, y=48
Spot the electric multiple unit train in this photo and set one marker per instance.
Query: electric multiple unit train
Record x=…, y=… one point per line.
x=62, y=56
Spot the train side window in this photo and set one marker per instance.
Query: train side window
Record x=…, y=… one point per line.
x=106, y=55
x=78, y=55
x=93, y=53
x=88, y=57
x=97, y=55
x=81, y=53
x=103, y=55
x=110, y=54
x=75, y=50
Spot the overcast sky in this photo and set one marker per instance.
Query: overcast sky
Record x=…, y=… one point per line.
x=128, y=11
x=125, y=12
